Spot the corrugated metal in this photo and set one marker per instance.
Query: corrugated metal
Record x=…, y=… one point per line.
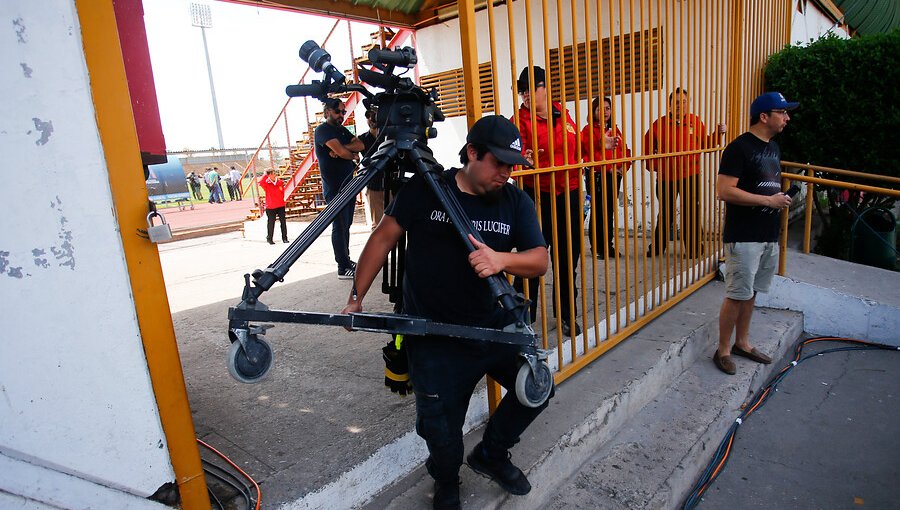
x=404, y=6
x=870, y=16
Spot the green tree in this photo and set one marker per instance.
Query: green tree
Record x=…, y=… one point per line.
x=849, y=117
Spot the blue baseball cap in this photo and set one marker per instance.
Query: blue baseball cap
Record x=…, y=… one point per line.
x=771, y=101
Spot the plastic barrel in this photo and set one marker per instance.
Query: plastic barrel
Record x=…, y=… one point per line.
x=874, y=238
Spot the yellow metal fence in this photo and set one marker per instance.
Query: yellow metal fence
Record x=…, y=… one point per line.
x=679, y=76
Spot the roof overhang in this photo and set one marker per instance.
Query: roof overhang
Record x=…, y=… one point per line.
x=399, y=13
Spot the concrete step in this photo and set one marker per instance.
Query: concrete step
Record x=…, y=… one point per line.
x=624, y=410
x=657, y=457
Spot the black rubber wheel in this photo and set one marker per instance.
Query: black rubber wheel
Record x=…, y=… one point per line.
x=242, y=368
x=534, y=391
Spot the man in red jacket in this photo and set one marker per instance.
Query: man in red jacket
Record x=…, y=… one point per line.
x=553, y=187
x=678, y=176
x=274, y=188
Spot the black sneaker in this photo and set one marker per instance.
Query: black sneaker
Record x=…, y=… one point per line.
x=500, y=470
x=346, y=274
x=567, y=331
x=446, y=496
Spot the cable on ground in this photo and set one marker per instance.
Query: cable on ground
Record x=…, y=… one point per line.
x=720, y=458
x=229, y=479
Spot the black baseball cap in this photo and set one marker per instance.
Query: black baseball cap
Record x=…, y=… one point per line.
x=540, y=78
x=501, y=137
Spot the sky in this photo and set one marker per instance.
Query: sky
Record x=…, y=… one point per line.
x=253, y=52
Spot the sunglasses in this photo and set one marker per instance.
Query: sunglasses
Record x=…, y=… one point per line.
x=342, y=112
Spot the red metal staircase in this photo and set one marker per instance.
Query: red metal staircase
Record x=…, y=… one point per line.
x=303, y=189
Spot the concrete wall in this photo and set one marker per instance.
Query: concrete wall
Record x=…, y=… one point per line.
x=79, y=417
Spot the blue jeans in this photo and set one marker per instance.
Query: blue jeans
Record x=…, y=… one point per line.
x=215, y=194
x=340, y=228
x=444, y=372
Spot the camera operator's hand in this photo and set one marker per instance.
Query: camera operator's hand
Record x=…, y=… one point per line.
x=778, y=201
x=352, y=307
x=484, y=260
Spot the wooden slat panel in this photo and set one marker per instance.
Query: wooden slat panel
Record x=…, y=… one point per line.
x=647, y=45
x=451, y=94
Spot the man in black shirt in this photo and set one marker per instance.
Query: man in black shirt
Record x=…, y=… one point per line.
x=750, y=184
x=446, y=283
x=336, y=151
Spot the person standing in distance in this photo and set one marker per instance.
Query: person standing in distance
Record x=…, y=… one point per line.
x=274, y=188
x=678, y=177
x=608, y=144
x=337, y=152
x=236, y=181
x=375, y=189
x=445, y=283
x=749, y=181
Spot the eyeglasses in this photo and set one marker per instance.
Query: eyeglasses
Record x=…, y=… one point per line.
x=783, y=112
x=536, y=86
x=342, y=112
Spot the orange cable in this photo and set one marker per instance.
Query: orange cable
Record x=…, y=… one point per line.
x=241, y=471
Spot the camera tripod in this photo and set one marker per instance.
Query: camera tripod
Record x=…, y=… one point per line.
x=406, y=113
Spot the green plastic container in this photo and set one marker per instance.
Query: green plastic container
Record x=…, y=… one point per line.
x=874, y=238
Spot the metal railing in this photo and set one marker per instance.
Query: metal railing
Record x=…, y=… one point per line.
x=812, y=182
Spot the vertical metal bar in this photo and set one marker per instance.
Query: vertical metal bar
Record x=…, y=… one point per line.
x=471, y=85
x=634, y=200
x=573, y=7
x=807, y=216
x=694, y=201
x=783, y=235
x=639, y=249
x=613, y=93
x=494, y=89
x=602, y=92
x=569, y=248
x=589, y=157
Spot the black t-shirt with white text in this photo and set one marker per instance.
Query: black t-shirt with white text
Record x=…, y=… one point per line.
x=757, y=165
x=335, y=171
x=439, y=283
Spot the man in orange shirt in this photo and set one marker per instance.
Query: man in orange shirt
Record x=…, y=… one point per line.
x=678, y=176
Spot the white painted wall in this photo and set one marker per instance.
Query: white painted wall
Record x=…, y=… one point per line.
x=812, y=24
x=75, y=395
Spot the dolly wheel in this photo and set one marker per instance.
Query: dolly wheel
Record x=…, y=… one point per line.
x=240, y=365
x=531, y=390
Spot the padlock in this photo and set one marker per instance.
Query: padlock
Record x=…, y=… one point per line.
x=158, y=233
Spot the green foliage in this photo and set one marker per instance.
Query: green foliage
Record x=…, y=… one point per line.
x=849, y=117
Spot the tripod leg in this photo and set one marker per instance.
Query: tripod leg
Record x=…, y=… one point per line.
x=500, y=287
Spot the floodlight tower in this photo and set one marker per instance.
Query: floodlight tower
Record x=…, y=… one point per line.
x=201, y=17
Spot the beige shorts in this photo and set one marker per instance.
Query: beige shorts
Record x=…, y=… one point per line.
x=749, y=268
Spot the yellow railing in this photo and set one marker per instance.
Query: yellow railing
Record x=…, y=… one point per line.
x=637, y=53
x=808, y=176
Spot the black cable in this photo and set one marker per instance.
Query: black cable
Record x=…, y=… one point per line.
x=720, y=458
x=212, y=496
x=243, y=489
